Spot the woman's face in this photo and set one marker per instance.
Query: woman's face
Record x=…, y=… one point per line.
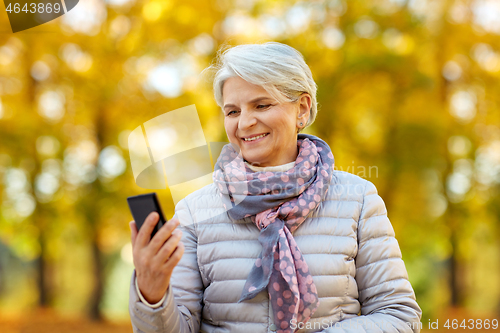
x=251, y=113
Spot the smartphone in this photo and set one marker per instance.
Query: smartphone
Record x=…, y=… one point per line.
x=141, y=206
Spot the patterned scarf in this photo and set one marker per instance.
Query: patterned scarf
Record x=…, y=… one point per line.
x=278, y=202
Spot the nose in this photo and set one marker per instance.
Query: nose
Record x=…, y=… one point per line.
x=246, y=120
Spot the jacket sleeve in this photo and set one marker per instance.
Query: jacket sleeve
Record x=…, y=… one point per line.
x=181, y=310
x=388, y=302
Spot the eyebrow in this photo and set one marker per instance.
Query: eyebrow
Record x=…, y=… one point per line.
x=255, y=100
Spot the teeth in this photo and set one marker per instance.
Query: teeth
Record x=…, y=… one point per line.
x=255, y=137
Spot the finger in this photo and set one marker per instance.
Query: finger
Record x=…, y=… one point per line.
x=133, y=231
x=162, y=236
x=144, y=235
x=168, y=247
x=175, y=257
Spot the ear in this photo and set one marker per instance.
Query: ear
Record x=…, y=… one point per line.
x=305, y=103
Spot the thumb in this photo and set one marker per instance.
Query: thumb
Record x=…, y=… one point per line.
x=133, y=230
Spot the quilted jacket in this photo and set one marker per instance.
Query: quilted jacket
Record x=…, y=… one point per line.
x=348, y=243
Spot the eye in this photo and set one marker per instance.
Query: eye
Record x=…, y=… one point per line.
x=230, y=112
x=261, y=106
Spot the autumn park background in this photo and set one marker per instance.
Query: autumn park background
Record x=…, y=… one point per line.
x=408, y=88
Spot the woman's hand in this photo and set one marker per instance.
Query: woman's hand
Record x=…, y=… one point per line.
x=155, y=260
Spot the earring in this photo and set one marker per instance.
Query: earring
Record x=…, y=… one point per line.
x=301, y=124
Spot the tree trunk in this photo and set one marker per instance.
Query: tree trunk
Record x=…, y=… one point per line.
x=97, y=293
x=453, y=215
x=93, y=217
x=39, y=216
x=44, y=273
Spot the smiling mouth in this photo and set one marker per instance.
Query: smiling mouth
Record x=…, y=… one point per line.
x=255, y=137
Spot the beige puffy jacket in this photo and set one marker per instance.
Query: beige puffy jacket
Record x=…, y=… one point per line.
x=348, y=243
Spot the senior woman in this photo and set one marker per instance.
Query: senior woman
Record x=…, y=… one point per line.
x=280, y=241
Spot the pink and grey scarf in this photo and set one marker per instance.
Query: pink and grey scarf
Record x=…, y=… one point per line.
x=278, y=203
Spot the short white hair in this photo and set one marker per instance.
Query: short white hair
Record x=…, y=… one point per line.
x=278, y=68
